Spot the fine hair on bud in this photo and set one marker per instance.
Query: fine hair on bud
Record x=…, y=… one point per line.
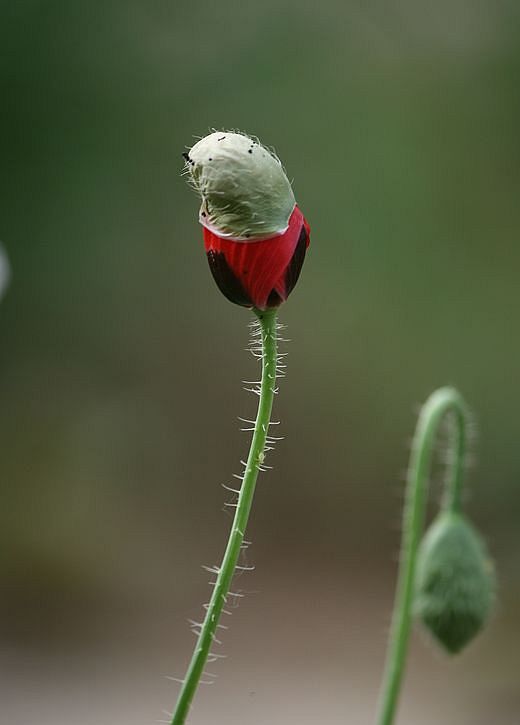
x=455, y=585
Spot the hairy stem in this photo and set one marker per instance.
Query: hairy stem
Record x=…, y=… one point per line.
x=441, y=402
x=226, y=571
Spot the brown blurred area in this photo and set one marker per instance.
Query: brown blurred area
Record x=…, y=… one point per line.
x=120, y=362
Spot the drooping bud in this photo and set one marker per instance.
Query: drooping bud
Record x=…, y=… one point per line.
x=455, y=581
x=254, y=233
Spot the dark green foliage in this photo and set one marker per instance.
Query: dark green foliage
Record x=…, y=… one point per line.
x=455, y=582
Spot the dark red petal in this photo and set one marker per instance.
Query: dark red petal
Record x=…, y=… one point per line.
x=262, y=272
x=228, y=284
x=295, y=265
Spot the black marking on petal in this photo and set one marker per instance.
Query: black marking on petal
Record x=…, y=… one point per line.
x=186, y=156
x=227, y=282
x=274, y=299
x=295, y=265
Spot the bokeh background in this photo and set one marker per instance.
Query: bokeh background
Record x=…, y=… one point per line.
x=120, y=363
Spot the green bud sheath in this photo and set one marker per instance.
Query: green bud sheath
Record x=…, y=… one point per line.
x=246, y=195
x=455, y=581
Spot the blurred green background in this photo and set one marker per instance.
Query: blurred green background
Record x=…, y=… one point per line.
x=120, y=362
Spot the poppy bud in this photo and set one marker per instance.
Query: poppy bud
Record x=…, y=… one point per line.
x=254, y=233
x=455, y=581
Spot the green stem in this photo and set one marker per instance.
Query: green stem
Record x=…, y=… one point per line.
x=227, y=569
x=440, y=403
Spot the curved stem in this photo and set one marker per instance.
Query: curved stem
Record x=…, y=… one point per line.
x=227, y=569
x=440, y=403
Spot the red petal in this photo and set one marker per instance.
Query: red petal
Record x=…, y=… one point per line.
x=260, y=266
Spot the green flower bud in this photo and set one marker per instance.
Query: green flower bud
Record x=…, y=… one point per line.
x=245, y=193
x=455, y=581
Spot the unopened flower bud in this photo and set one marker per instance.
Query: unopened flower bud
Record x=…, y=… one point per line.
x=455, y=581
x=255, y=235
